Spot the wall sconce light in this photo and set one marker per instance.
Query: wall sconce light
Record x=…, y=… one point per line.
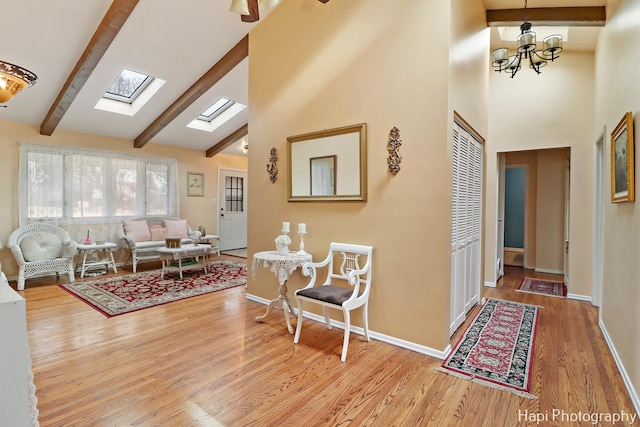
x=245, y=148
x=13, y=79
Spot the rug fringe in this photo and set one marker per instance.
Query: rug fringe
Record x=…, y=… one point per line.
x=486, y=383
x=512, y=302
x=538, y=293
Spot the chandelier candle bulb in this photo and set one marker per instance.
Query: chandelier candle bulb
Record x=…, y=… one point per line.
x=302, y=228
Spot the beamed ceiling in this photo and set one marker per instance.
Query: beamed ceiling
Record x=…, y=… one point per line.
x=199, y=47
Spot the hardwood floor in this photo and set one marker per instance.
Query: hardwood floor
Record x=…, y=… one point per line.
x=204, y=361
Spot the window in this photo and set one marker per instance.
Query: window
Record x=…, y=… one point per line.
x=127, y=86
x=72, y=185
x=234, y=194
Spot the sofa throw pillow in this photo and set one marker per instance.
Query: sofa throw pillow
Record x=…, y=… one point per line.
x=137, y=230
x=158, y=232
x=177, y=228
x=41, y=247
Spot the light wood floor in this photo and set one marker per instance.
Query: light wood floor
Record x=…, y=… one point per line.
x=204, y=361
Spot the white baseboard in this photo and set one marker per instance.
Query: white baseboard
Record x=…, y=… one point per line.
x=548, y=270
x=490, y=284
x=623, y=372
x=418, y=348
x=579, y=297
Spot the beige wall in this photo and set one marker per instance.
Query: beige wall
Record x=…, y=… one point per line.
x=197, y=210
x=617, y=91
x=551, y=110
x=384, y=64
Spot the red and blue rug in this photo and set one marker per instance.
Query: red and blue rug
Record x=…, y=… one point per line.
x=551, y=288
x=496, y=350
x=114, y=295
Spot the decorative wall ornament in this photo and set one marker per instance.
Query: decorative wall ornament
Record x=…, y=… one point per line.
x=272, y=168
x=393, y=147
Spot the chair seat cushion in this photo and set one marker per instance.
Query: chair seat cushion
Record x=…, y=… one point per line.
x=328, y=293
x=41, y=247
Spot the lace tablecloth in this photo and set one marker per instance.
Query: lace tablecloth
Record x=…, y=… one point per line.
x=281, y=265
x=185, y=251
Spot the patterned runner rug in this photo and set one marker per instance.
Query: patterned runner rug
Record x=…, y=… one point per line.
x=542, y=287
x=496, y=350
x=123, y=294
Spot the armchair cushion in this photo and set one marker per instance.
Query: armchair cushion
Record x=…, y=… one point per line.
x=137, y=230
x=41, y=246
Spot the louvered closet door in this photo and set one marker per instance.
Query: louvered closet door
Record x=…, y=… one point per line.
x=465, y=225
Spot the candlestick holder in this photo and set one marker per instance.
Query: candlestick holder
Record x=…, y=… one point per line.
x=301, y=251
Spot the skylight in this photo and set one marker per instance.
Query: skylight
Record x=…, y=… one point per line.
x=216, y=115
x=510, y=34
x=127, y=86
x=215, y=110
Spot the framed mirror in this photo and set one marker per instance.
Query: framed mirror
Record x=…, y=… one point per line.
x=328, y=165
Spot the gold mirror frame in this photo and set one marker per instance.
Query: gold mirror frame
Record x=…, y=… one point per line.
x=349, y=146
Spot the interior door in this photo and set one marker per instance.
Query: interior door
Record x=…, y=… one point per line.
x=500, y=219
x=466, y=223
x=567, y=198
x=232, y=209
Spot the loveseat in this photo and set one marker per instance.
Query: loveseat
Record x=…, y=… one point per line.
x=143, y=236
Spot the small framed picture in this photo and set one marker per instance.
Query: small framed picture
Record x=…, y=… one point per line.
x=195, y=184
x=622, y=164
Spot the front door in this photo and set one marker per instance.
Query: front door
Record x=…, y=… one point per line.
x=232, y=210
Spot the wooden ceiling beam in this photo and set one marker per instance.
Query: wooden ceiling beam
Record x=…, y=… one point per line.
x=112, y=22
x=228, y=141
x=552, y=16
x=232, y=58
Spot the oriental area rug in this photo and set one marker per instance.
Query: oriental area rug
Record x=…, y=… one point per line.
x=533, y=285
x=496, y=350
x=126, y=293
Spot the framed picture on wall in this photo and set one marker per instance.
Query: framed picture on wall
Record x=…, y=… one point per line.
x=195, y=184
x=622, y=161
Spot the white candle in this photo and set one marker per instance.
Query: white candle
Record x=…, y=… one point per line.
x=285, y=226
x=302, y=228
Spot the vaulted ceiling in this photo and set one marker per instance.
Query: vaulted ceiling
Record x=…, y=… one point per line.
x=199, y=47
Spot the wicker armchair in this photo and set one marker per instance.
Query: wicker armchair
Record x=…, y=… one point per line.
x=42, y=248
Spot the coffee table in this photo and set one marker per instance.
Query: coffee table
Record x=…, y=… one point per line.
x=169, y=255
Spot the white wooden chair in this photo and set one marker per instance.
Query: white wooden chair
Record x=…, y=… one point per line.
x=42, y=248
x=354, y=294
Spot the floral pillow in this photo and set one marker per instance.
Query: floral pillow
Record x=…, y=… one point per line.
x=158, y=232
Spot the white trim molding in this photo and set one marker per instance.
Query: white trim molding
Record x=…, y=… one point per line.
x=633, y=395
x=418, y=348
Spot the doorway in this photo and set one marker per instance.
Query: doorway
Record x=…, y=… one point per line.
x=542, y=244
x=232, y=209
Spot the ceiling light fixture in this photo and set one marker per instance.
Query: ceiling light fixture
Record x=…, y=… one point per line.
x=13, y=79
x=552, y=46
x=248, y=9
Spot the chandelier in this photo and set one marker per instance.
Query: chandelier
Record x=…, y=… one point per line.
x=13, y=79
x=552, y=46
x=248, y=9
